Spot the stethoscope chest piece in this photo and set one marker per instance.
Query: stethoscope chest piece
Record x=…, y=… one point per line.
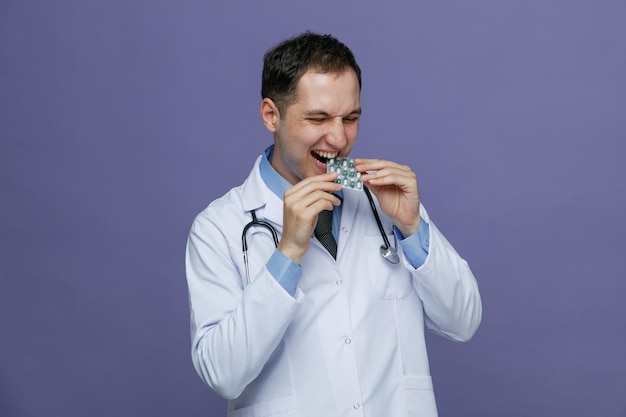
x=389, y=253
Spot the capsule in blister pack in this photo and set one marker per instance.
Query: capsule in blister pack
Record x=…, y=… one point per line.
x=348, y=177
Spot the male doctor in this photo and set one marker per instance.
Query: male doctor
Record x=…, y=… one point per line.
x=305, y=328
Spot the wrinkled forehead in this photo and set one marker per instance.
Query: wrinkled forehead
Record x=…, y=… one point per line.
x=314, y=81
x=327, y=93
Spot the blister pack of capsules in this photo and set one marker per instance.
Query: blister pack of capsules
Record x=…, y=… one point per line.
x=348, y=177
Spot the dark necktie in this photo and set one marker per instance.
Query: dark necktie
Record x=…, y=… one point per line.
x=324, y=232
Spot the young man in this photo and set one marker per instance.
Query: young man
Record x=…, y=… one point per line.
x=305, y=329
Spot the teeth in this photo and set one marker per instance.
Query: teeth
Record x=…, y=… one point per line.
x=327, y=155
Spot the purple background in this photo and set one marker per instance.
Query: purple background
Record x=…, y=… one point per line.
x=120, y=121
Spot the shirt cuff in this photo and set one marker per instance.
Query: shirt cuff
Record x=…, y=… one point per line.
x=416, y=246
x=285, y=271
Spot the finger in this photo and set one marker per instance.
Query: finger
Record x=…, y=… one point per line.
x=327, y=187
x=364, y=165
x=328, y=177
x=391, y=176
x=325, y=181
x=302, y=201
x=322, y=182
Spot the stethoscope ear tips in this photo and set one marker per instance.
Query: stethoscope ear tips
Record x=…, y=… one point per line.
x=390, y=254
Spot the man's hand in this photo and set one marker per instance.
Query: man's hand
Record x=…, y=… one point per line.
x=395, y=186
x=302, y=204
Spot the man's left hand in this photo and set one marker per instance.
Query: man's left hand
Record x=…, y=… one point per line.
x=395, y=187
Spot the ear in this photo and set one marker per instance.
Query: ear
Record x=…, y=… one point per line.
x=270, y=115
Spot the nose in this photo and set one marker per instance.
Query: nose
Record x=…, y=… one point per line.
x=337, y=134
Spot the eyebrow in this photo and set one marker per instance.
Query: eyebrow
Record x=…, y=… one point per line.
x=326, y=114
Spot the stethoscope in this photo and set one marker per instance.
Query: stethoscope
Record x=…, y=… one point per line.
x=389, y=253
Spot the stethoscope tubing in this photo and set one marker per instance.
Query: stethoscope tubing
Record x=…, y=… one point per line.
x=244, y=242
x=377, y=217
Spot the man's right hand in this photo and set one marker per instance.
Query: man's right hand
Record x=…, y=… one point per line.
x=302, y=204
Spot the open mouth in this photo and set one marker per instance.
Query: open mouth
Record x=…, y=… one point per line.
x=324, y=157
